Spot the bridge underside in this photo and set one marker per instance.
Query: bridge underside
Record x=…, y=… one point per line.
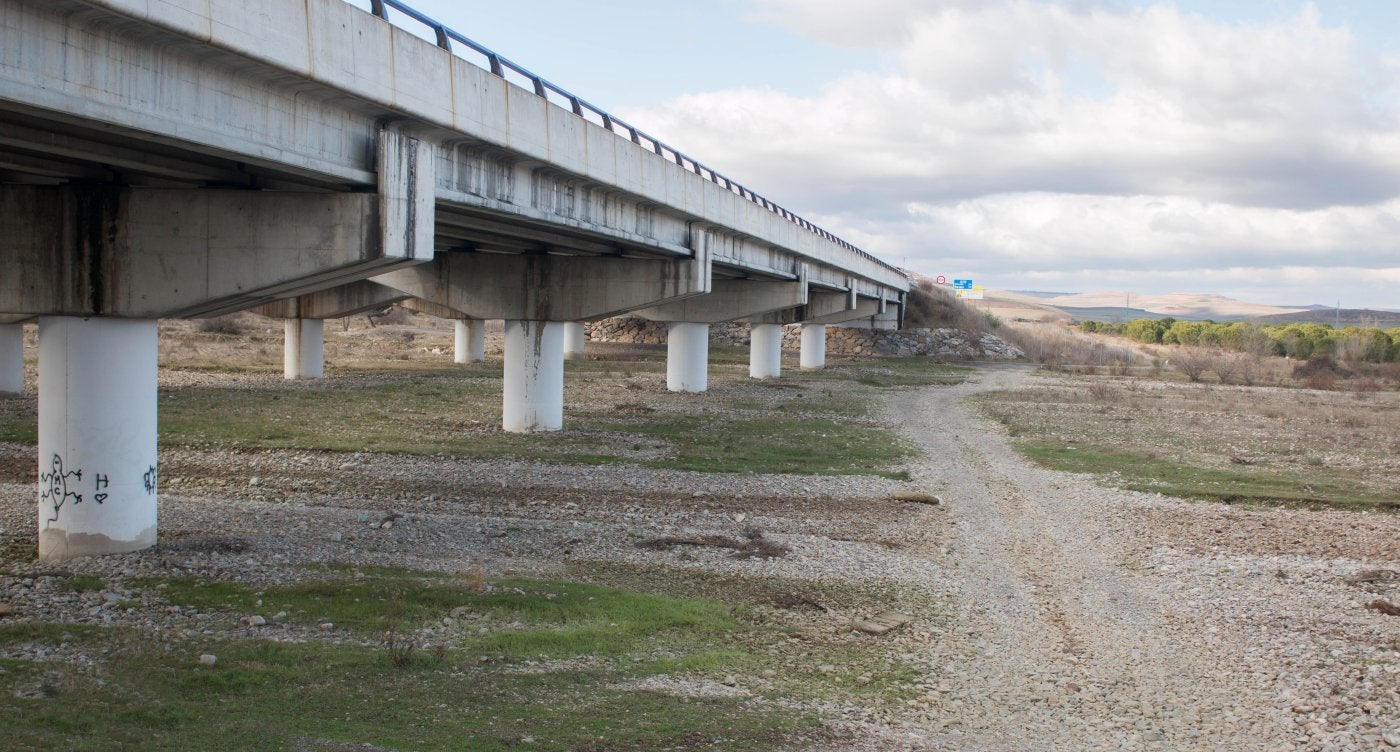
x=309, y=160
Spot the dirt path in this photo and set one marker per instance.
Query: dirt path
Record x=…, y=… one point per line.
x=1060, y=642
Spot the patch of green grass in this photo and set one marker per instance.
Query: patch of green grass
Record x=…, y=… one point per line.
x=266, y=695
x=149, y=691
x=18, y=425
x=895, y=372
x=456, y=412
x=1143, y=471
x=774, y=445
x=527, y=619
x=84, y=583
x=801, y=425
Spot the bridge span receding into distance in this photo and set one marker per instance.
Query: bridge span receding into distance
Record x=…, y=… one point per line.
x=312, y=160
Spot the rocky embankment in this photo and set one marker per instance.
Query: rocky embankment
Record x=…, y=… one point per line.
x=945, y=344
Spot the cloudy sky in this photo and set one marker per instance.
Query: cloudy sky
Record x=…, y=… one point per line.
x=1246, y=147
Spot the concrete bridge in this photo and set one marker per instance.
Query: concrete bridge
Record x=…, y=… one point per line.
x=186, y=158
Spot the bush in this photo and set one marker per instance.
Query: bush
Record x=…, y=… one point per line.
x=1319, y=373
x=1192, y=362
x=227, y=324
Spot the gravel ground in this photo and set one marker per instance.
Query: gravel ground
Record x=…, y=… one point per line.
x=1050, y=613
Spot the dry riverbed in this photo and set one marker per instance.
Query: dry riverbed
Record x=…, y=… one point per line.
x=1049, y=612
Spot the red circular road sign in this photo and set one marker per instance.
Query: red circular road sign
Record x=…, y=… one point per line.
x=940, y=279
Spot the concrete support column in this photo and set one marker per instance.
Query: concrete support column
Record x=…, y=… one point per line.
x=97, y=436
x=575, y=339
x=469, y=342
x=766, y=351
x=533, y=388
x=304, y=349
x=687, y=356
x=11, y=358
x=813, y=353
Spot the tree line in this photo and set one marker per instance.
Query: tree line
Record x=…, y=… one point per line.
x=1304, y=341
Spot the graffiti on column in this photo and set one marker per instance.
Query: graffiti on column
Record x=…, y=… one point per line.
x=54, y=489
x=149, y=478
x=59, y=486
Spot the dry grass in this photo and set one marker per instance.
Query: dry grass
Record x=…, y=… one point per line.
x=1328, y=448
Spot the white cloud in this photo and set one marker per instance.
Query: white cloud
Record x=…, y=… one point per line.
x=1045, y=133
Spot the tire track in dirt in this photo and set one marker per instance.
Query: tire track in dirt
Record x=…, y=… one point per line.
x=1058, y=643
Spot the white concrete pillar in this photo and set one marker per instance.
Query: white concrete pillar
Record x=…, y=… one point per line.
x=575, y=339
x=11, y=358
x=813, y=352
x=97, y=436
x=469, y=341
x=304, y=349
x=687, y=356
x=766, y=351
x=533, y=388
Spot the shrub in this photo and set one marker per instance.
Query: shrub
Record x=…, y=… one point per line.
x=1192, y=362
x=227, y=324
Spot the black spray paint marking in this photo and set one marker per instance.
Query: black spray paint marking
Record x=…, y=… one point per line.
x=55, y=487
x=149, y=478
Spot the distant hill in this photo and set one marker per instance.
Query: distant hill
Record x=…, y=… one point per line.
x=1116, y=306
x=1181, y=305
x=1344, y=317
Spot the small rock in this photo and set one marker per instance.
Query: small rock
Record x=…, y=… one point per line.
x=326, y=626
x=208, y=659
x=337, y=537
x=1384, y=606
x=1391, y=738
x=827, y=668
x=254, y=621
x=916, y=497
x=386, y=524
x=729, y=681
x=255, y=481
x=6, y=609
x=864, y=679
x=769, y=673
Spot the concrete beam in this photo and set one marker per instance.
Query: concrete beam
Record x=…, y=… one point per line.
x=334, y=303
x=731, y=299
x=881, y=313
x=418, y=305
x=820, y=304
x=550, y=288
x=865, y=308
x=91, y=250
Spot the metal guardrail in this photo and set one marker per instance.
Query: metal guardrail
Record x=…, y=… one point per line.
x=507, y=69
